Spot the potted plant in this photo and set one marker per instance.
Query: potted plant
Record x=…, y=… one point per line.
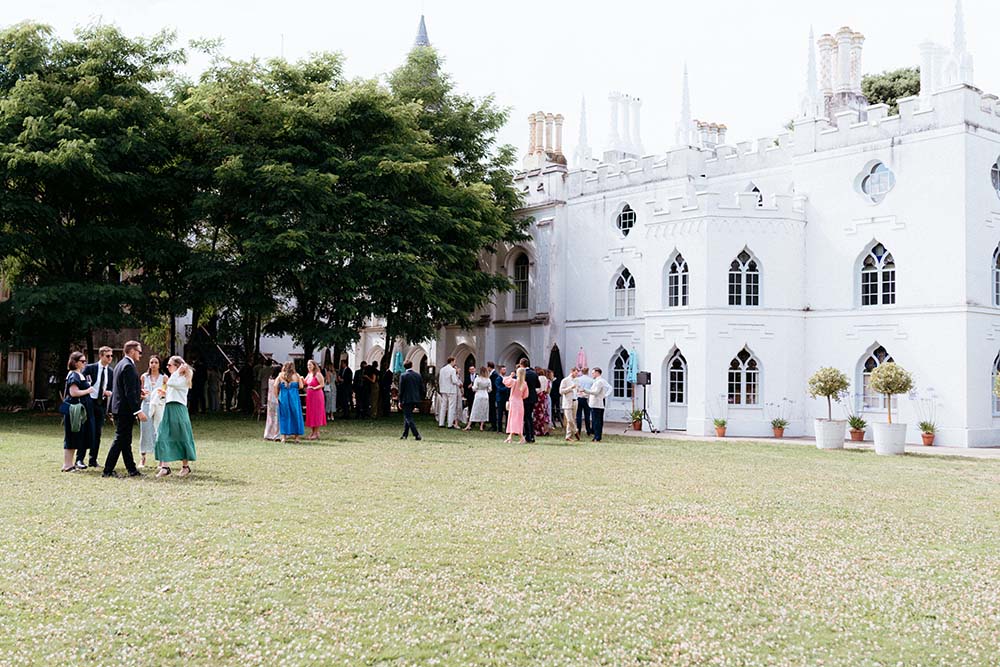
x=636, y=417
x=926, y=432
x=858, y=426
x=778, y=426
x=720, y=427
x=890, y=380
x=832, y=385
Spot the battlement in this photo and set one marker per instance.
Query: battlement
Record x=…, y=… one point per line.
x=743, y=204
x=960, y=104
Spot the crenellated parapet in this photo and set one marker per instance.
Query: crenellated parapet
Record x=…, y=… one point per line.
x=959, y=105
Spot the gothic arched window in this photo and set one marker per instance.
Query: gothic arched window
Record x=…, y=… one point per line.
x=870, y=400
x=619, y=369
x=760, y=196
x=996, y=277
x=520, y=280
x=996, y=399
x=744, y=280
x=626, y=220
x=625, y=294
x=995, y=176
x=743, y=380
x=677, y=282
x=878, y=277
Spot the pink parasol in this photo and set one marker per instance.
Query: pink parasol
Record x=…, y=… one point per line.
x=581, y=359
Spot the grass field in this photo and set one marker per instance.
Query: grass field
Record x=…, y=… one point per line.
x=460, y=550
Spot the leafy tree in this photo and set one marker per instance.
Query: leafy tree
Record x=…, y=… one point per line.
x=88, y=190
x=428, y=264
x=888, y=87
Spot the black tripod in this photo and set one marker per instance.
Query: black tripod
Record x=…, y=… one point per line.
x=645, y=415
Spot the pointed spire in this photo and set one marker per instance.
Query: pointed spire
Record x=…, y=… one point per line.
x=810, y=105
x=958, y=45
x=582, y=154
x=421, y=39
x=682, y=134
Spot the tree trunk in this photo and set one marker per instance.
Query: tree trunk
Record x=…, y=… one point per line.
x=888, y=403
x=829, y=409
x=390, y=344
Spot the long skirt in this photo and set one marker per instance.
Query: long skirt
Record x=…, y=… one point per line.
x=174, y=438
x=271, y=431
x=540, y=416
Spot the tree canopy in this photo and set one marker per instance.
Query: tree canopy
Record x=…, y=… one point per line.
x=888, y=87
x=272, y=196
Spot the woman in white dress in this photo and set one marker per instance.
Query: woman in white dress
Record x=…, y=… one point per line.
x=271, y=431
x=481, y=402
x=152, y=407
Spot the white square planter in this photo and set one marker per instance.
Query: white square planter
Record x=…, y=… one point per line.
x=890, y=438
x=830, y=433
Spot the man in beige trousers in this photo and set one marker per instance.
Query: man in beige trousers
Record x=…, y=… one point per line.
x=568, y=391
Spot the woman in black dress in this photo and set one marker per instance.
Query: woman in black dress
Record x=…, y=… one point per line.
x=77, y=391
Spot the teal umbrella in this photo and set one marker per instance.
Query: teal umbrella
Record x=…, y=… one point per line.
x=397, y=361
x=632, y=367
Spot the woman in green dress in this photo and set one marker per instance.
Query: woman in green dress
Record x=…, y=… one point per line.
x=174, y=439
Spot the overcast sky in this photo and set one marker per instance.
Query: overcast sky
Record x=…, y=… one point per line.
x=747, y=61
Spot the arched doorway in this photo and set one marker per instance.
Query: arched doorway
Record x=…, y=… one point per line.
x=511, y=355
x=677, y=392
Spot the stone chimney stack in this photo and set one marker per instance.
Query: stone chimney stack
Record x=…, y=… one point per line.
x=636, y=136
x=544, y=140
x=626, y=132
x=827, y=46
x=559, y=129
x=857, y=43
x=613, y=140
x=844, y=38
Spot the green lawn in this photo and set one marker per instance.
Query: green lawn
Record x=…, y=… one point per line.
x=461, y=550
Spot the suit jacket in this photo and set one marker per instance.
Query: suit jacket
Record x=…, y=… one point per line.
x=448, y=382
x=531, y=379
x=411, y=387
x=500, y=390
x=346, y=376
x=91, y=371
x=127, y=396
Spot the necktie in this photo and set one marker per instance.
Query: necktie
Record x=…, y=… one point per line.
x=100, y=381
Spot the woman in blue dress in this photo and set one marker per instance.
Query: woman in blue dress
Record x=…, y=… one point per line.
x=77, y=391
x=290, y=422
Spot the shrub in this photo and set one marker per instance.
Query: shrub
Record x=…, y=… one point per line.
x=778, y=422
x=13, y=396
x=831, y=384
x=857, y=423
x=636, y=415
x=891, y=379
x=926, y=427
x=720, y=423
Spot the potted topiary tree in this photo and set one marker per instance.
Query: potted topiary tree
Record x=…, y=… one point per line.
x=890, y=380
x=832, y=385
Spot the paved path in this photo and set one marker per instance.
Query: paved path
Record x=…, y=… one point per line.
x=967, y=452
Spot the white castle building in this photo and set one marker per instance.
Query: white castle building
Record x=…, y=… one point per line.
x=735, y=271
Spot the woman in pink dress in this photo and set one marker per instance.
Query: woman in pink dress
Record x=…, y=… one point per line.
x=315, y=401
x=518, y=392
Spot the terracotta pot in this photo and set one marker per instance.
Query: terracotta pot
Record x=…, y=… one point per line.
x=720, y=431
x=928, y=438
x=857, y=434
x=637, y=425
x=779, y=432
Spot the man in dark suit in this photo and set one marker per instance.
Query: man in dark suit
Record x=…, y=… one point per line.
x=101, y=377
x=492, y=368
x=411, y=392
x=501, y=394
x=530, y=379
x=345, y=388
x=126, y=406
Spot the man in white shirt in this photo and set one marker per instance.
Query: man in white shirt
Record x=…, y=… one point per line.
x=597, y=394
x=583, y=383
x=568, y=391
x=449, y=388
x=101, y=377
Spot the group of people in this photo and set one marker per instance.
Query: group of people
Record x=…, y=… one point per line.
x=284, y=403
x=521, y=403
x=156, y=400
x=365, y=392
